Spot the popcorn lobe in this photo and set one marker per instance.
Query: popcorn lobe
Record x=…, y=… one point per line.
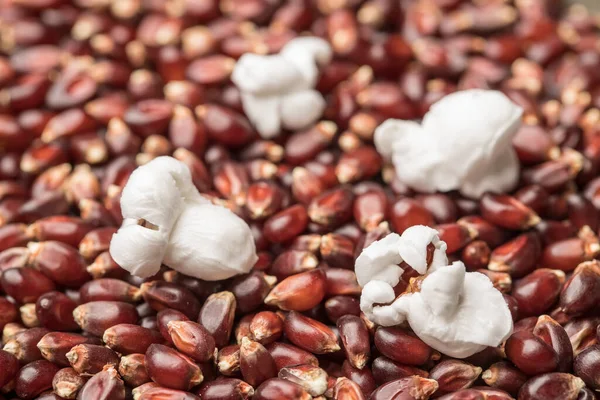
x=463, y=143
x=167, y=221
x=456, y=312
x=277, y=90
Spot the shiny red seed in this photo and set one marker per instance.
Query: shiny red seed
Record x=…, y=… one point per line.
x=225, y=126
x=507, y=212
x=34, y=378
x=408, y=212
x=286, y=224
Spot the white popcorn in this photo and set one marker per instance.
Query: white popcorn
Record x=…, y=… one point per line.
x=455, y=312
x=380, y=260
x=463, y=143
x=167, y=221
x=277, y=91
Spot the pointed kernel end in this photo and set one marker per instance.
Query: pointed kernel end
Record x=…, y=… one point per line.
x=586, y=234
x=271, y=300
x=533, y=220
x=173, y=325
x=488, y=377
x=593, y=249
x=136, y=294
x=554, y=153
x=362, y=98
x=560, y=275
x=33, y=247
x=271, y=280
x=328, y=129
x=85, y=249
x=578, y=384
x=498, y=266
x=12, y=347
x=66, y=389
x=360, y=361
x=246, y=390
x=429, y=386
x=79, y=316
x=72, y=356
x=180, y=111
x=197, y=379
x=372, y=222
x=96, y=155
x=145, y=287
x=473, y=233
x=200, y=111
x=363, y=76
x=370, y=14
x=332, y=348
x=28, y=165
x=546, y=319
x=346, y=173
x=310, y=261
x=181, y=154
x=246, y=343
x=275, y=153
x=111, y=371
x=108, y=337
x=48, y=135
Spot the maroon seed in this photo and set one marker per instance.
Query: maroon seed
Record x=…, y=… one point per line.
x=559, y=385
x=89, y=359
x=10, y=367
x=250, y=290
x=172, y=369
x=129, y=338
x=226, y=389
x=34, y=378
x=97, y=316
x=276, y=388
x=256, y=364
x=132, y=369
x=309, y=334
x=386, y=370
x=25, y=285
x=538, y=291
x=54, y=310
x=312, y=379
x=24, y=345
x=54, y=346
x=355, y=340
x=403, y=347
x=59, y=261
x=507, y=212
x=161, y=295
x=217, y=316
x=67, y=383
x=106, y=385
x=286, y=355
x=414, y=386
x=192, y=339
x=286, y=224
x=587, y=366
x=299, y=292
x=504, y=376
x=108, y=289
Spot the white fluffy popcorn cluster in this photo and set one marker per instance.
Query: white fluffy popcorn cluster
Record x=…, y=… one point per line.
x=277, y=90
x=167, y=221
x=456, y=312
x=463, y=143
